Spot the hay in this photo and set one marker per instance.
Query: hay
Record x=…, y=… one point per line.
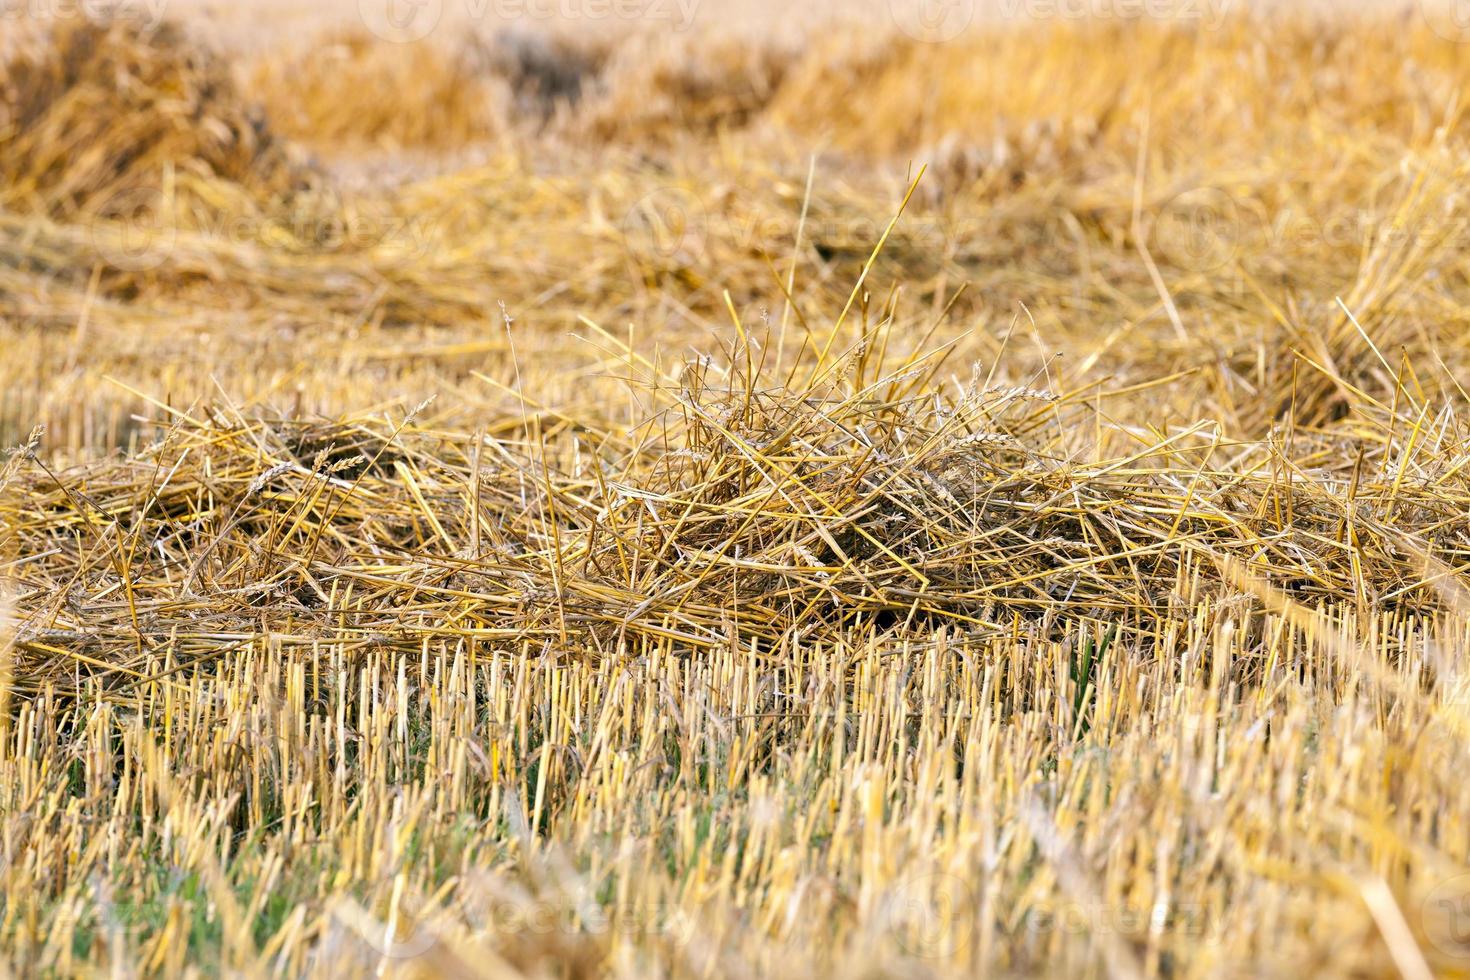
x=94, y=119
x=1052, y=564
x=349, y=91
x=875, y=502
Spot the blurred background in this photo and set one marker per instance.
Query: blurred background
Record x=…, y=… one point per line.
x=1122, y=167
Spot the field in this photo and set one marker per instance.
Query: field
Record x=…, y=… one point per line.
x=703, y=495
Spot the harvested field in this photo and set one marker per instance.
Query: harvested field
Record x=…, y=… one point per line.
x=538, y=501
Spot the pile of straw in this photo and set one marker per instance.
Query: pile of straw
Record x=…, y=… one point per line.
x=864, y=501
x=98, y=116
x=1054, y=563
